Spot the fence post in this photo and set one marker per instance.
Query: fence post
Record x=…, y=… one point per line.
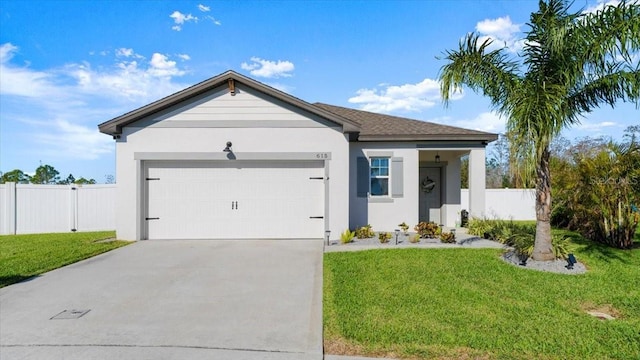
x=74, y=207
x=8, y=220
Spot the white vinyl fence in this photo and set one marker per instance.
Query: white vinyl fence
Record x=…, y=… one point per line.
x=506, y=204
x=32, y=209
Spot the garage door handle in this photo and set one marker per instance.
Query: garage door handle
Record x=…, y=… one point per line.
x=316, y=217
x=234, y=205
x=152, y=218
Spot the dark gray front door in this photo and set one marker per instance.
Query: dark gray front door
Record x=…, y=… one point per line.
x=430, y=194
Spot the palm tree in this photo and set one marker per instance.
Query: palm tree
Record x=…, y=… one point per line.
x=571, y=63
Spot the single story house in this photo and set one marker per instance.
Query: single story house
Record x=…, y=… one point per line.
x=233, y=158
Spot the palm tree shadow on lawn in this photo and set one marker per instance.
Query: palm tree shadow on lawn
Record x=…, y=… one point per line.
x=603, y=252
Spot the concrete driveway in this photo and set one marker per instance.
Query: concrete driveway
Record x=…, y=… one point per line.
x=182, y=299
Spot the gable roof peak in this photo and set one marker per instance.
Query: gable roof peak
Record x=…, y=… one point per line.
x=115, y=125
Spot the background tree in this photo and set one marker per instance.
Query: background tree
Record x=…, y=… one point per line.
x=83, y=181
x=16, y=176
x=109, y=179
x=69, y=180
x=571, y=63
x=45, y=174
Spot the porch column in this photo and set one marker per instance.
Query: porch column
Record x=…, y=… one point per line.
x=477, y=174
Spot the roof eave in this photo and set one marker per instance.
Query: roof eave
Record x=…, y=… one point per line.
x=488, y=137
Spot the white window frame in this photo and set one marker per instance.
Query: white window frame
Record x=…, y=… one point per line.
x=388, y=176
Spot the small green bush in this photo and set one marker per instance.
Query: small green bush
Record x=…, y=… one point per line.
x=404, y=227
x=347, y=236
x=384, y=237
x=561, y=247
x=427, y=229
x=479, y=227
x=365, y=232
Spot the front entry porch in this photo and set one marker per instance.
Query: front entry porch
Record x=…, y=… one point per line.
x=439, y=180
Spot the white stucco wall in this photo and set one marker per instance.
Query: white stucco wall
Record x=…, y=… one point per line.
x=221, y=116
x=506, y=204
x=385, y=216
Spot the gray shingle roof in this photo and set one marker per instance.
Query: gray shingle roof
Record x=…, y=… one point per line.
x=361, y=125
x=380, y=127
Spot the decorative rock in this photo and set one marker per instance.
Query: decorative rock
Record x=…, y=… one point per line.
x=556, y=266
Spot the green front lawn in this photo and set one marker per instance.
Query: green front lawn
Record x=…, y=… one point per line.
x=25, y=256
x=467, y=303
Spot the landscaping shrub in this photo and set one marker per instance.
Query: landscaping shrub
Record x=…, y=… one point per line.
x=347, y=236
x=365, y=232
x=427, y=229
x=384, y=237
x=404, y=227
x=480, y=227
x=605, y=198
x=448, y=237
x=414, y=239
x=596, y=190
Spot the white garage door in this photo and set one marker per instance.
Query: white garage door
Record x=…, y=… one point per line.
x=234, y=199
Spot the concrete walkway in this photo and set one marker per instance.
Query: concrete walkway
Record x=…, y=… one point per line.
x=186, y=299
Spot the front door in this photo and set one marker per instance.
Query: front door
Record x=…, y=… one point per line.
x=430, y=194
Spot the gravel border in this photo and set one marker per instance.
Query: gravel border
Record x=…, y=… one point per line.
x=463, y=240
x=558, y=266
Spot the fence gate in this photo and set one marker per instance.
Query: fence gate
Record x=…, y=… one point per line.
x=31, y=209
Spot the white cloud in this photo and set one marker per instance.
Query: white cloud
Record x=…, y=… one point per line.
x=65, y=139
x=595, y=127
x=486, y=121
x=214, y=20
x=601, y=4
x=184, y=57
x=124, y=52
x=403, y=98
x=282, y=87
x=180, y=19
x=127, y=52
x=161, y=66
x=502, y=31
x=7, y=51
x=61, y=106
x=22, y=81
x=268, y=69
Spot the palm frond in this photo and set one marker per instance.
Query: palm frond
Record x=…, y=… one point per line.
x=618, y=85
x=613, y=32
x=489, y=72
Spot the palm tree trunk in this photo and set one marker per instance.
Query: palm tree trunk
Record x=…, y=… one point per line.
x=542, y=249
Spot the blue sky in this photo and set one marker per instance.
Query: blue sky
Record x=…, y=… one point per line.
x=66, y=66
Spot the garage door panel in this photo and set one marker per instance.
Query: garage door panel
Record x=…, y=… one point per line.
x=268, y=199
